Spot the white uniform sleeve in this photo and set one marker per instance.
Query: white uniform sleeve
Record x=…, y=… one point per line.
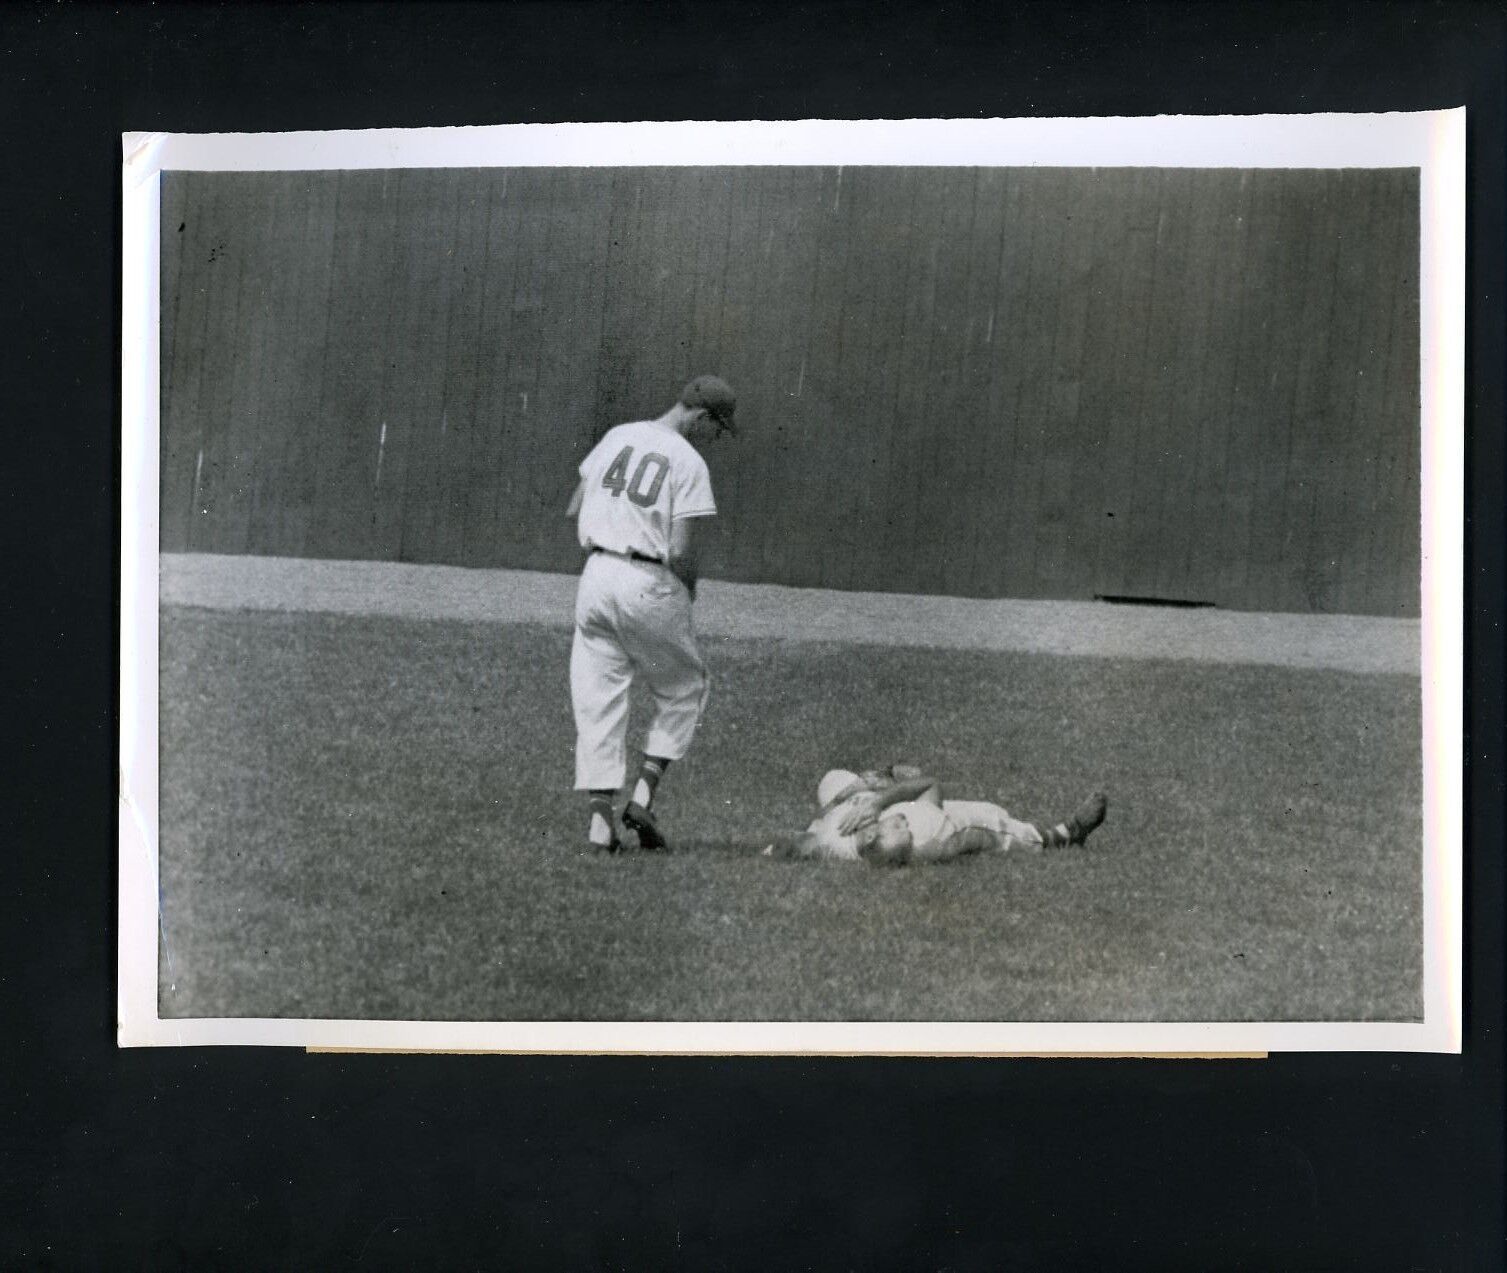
x=691, y=487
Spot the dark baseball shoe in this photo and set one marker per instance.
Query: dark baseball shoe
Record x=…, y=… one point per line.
x=1087, y=817
x=639, y=819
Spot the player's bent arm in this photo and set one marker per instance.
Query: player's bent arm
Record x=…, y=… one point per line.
x=873, y=803
x=908, y=789
x=576, y=500
x=682, y=563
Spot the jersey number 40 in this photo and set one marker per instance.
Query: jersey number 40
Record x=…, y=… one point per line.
x=642, y=489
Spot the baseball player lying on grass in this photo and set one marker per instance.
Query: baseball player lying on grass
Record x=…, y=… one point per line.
x=897, y=816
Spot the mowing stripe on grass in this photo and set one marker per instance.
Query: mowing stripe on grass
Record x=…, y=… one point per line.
x=1353, y=643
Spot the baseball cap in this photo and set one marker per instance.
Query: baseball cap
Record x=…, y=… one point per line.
x=716, y=395
x=833, y=783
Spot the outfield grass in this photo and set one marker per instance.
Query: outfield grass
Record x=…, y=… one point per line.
x=371, y=818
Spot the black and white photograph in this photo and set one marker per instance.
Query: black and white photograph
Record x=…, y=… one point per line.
x=916, y=589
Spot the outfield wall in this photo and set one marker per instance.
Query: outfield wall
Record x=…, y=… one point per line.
x=1026, y=382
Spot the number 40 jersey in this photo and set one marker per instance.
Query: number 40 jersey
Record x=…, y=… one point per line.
x=637, y=480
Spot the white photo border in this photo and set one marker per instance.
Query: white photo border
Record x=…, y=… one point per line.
x=1431, y=141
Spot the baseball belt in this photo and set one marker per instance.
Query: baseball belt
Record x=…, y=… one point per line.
x=631, y=555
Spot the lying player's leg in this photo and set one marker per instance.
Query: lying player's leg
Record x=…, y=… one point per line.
x=1016, y=834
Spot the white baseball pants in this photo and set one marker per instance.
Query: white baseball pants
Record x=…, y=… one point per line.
x=992, y=817
x=633, y=621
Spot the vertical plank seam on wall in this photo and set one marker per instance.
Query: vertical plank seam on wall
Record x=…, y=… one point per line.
x=1317, y=490
x=174, y=410
x=1209, y=262
x=508, y=531
x=920, y=404
x=285, y=465
x=477, y=440
x=200, y=534
x=257, y=408
x=987, y=559
x=1127, y=539
x=267, y=450
x=1210, y=546
x=347, y=533
x=586, y=229
x=1046, y=391
x=1182, y=560
x=613, y=197
x=938, y=401
x=505, y=479
x=818, y=237
x=750, y=370
x=421, y=522
x=960, y=455
x=228, y=469
x=1050, y=479
x=795, y=335
x=198, y=525
x=1085, y=463
x=1321, y=493
x=444, y=458
x=172, y=194
x=769, y=302
x=665, y=315
x=991, y=558
x=1388, y=513
x=808, y=567
x=1380, y=332
x=590, y=233
x=1407, y=525
x=960, y=449
x=850, y=381
x=831, y=555
x=1254, y=349
x=1341, y=398
x=1244, y=203
x=1284, y=494
x=885, y=430
x=1249, y=551
x=1175, y=407
x=1034, y=304
x=330, y=479
x=1159, y=444
x=537, y=494
x=394, y=432
x=1107, y=392
x=733, y=552
x=616, y=216
x=1351, y=583
x=322, y=421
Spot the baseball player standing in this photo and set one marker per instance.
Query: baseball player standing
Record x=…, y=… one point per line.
x=641, y=490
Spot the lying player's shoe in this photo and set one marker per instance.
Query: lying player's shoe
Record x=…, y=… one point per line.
x=1087, y=817
x=641, y=820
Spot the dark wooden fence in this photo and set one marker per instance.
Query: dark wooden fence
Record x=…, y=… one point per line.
x=1191, y=385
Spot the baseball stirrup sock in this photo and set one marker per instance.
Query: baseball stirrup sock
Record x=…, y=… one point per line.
x=652, y=770
x=1054, y=837
x=601, y=817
